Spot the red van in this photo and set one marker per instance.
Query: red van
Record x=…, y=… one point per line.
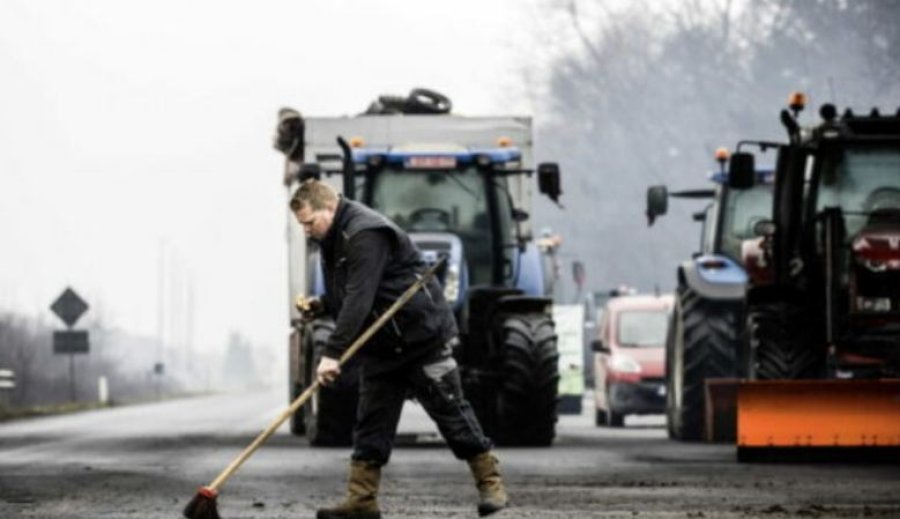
x=629, y=358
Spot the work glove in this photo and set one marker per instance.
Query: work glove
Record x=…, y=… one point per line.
x=309, y=307
x=328, y=371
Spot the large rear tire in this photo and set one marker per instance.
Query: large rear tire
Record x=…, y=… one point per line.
x=783, y=342
x=329, y=416
x=529, y=388
x=704, y=344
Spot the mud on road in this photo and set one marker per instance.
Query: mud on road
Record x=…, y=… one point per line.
x=52, y=470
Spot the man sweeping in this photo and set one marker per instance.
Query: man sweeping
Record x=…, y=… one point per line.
x=368, y=262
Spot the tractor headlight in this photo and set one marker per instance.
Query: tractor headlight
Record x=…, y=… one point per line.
x=451, y=284
x=873, y=304
x=875, y=265
x=624, y=364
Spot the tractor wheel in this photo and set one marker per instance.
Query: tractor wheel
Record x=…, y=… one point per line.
x=330, y=414
x=297, y=379
x=669, y=367
x=424, y=101
x=703, y=344
x=784, y=344
x=529, y=388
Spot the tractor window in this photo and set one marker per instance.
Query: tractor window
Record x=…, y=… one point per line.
x=439, y=201
x=643, y=328
x=745, y=207
x=862, y=181
x=504, y=210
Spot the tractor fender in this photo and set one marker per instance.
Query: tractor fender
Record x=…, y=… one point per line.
x=529, y=271
x=773, y=293
x=714, y=277
x=524, y=304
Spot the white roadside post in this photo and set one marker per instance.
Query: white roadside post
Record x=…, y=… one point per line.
x=103, y=390
x=7, y=384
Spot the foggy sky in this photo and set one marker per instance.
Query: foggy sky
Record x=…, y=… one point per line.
x=137, y=134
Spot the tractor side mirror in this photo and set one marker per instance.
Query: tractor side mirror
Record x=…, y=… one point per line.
x=598, y=346
x=289, y=134
x=519, y=215
x=548, y=180
x=657, y=202
x=741, y=171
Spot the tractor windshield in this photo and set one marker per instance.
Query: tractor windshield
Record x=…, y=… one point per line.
x=452, y=201
x=643, y=328
x=742, y=210
x=860, y=181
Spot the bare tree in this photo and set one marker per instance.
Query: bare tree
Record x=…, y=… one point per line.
x=650, y=92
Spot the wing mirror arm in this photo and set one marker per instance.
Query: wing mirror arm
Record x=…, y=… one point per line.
x=599, y=346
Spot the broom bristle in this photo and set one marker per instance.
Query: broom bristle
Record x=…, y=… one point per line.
x=203, y=505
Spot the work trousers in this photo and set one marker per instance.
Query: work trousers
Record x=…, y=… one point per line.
x=435, y=383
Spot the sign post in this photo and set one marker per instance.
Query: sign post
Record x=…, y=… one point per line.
x=69, y=307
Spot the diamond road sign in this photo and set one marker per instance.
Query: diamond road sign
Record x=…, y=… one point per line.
x=69, y=307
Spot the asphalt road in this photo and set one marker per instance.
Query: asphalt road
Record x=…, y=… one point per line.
x=147, y=461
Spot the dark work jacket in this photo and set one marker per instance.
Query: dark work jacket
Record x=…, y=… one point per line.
x=423, y=324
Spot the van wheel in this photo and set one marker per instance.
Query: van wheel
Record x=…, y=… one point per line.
x=616, y=419
x=600, y=417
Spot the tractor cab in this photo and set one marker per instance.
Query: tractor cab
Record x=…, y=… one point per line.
x=454, y=202
x=447, y=192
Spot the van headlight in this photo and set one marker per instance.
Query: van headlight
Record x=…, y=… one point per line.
x=624, y=364
x=451, y=284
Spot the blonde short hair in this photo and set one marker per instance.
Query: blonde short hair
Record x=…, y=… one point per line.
x=313, y=194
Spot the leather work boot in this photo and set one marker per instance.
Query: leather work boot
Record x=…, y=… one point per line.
x=362, y=493
x=492, y=495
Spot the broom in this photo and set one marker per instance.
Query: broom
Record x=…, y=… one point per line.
x=203, y=505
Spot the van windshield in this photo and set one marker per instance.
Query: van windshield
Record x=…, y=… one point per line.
x=642, y=328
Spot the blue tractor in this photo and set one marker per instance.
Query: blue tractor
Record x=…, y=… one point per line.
x=705, y=334
x=458, y=203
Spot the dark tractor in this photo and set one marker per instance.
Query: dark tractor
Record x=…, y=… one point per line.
x=827, y=302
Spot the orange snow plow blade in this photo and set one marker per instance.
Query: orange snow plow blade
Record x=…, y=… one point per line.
x=828, y=415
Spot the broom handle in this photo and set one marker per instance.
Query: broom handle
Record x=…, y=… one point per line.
x=300, y=400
